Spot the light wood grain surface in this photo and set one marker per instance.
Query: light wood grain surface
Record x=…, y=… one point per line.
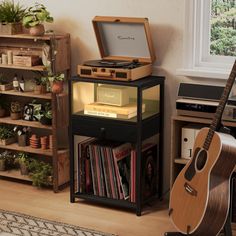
x=46, y=204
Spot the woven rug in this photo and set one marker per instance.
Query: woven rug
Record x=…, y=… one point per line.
x=12, y=223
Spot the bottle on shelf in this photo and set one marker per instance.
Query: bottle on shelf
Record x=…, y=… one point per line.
x=15, y=83
x=22, y=84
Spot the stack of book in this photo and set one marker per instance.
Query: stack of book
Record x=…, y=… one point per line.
x=124, y=112
x=108, y=169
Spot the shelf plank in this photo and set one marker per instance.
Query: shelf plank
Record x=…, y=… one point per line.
x=27, y=94
x=34, y=124
x=32, y=68
x=203, y=120
x=181, y=161
x=15, y=146
x=15, y=174
x=28, y=36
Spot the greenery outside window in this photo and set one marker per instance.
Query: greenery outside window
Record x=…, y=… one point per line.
x=209, y=38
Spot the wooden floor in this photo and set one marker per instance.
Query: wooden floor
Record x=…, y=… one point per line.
x=48, y=205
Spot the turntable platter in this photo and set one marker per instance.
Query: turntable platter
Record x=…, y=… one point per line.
x=107, y=63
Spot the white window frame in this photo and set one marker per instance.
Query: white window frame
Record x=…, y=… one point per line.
x=197, y=60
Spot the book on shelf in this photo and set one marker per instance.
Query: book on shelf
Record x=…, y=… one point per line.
x=125, y=112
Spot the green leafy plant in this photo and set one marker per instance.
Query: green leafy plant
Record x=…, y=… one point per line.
x=3, y=80
x=41, y=80
x=47, y=111
x=15, y=107
x=41, y=173
x=6, y=132
x=56, y=77
x=11, y=12
x=22, y=158
x=36, y=15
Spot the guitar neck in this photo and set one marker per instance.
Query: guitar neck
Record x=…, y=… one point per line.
x=220, y=109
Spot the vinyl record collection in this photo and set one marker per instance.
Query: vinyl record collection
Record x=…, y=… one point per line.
x=107, y=168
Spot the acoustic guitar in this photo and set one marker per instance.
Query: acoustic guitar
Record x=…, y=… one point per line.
x=200, y=197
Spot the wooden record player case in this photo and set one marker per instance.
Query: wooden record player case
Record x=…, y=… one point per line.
x=121, y=38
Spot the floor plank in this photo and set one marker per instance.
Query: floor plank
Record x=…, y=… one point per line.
x=46, y=204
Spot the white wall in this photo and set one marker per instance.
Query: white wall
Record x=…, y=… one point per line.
x=166, y=18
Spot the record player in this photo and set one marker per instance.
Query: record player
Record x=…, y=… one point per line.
x=125, y=47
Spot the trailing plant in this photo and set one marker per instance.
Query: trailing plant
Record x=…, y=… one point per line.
x=41, y=173
x=36, y=15
x=6, y=132
x=11, y=12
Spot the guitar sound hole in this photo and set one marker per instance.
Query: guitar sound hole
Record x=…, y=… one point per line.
x=201, y=160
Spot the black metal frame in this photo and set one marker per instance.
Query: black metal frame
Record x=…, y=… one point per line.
x=227, y=230
x=141, y=129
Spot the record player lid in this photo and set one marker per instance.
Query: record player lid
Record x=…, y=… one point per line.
x=124, y=38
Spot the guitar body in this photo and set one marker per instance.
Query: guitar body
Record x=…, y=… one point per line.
x=200, y=196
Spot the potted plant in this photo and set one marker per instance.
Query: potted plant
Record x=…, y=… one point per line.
x=15, y=111
x=11, y=15
x=46, y=118
x=57, y=82
x=23, y=160
x=4, y=84
x=40, y=85
x=35, y=17
x=7, y=135
x=40, y=173
x=22, y=135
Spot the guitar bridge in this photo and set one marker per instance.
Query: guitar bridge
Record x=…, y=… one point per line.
x=190, y=189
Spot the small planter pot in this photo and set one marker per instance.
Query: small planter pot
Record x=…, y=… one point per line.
x=15, y=115
x=23, y=169
x=22, y=140
x=57, y=87
x=10, y=28
x=37, y=30
x=2, y=165
x=44, y=142
x=45, y=121
x=2, y=112
x=40, y=89
x=7, y=141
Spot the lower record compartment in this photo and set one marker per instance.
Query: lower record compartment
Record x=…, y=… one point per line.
x=104, y=128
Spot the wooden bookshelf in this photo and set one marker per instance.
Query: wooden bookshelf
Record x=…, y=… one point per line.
x=15, y=174
x=27, y=94
x=60, y=63
x=34, y=124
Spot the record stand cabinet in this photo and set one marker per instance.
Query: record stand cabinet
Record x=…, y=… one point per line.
x=116, y=114
x=24, y=56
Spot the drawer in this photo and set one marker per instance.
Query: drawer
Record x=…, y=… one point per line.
x=104, y=128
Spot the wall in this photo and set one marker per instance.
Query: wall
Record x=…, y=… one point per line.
x=166, y=19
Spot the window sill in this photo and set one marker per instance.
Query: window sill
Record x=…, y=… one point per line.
x=209, y=73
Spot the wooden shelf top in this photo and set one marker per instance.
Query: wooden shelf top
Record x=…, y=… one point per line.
x=27, y=94
x=202, y=120
x=181, y=161
x=33, y=68
x=35, y=124
x=15, y=174
x=28, y=36
x=15, y=146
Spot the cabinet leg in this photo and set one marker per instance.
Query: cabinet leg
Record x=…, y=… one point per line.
x=72, y=199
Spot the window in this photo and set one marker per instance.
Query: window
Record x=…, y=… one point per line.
x=210, y=38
